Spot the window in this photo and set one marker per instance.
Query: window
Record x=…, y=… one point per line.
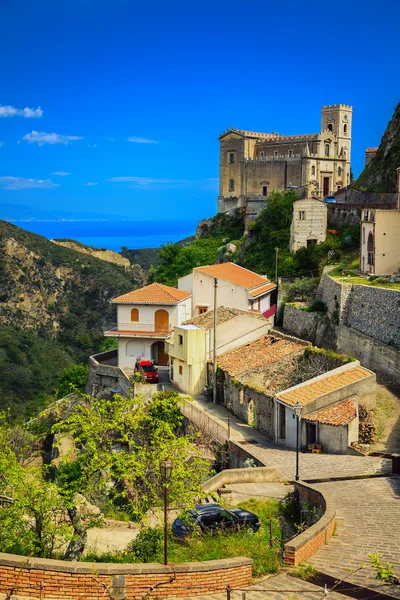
x=180, y=369
x=276, y=154
x=290, y=153
x=231, y=158
x=180, y=340
x=363, y=235
x=313, y=170
x=134, y=315
x=262, y=154
x=302, y=215
x=264, y=190
x=231, y=185
x=345, y=128
x=202, y=309
x=339, y=171
x=327, y=147
x=330, y=128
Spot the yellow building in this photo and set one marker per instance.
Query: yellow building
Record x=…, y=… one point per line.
x=309, y=223
x=252, y=164
x=191, y=344
x=380, y=242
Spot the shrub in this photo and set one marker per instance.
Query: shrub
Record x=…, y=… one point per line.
x=147, y=547
x=316, y=306
x=301, y=288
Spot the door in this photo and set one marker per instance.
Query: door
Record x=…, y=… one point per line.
x=326, y=186
x=161, y=321
x=282, y=422
x=162, y=355
x=311, y=433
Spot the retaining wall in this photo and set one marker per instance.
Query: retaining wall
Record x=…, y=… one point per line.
x=55, y=579
x=305, y=545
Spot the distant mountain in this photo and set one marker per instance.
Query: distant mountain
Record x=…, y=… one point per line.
x=22, y=212
x=380, y=174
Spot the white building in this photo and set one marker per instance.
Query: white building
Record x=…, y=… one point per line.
x=309, y=223
x=145, y=317
x=237, y=287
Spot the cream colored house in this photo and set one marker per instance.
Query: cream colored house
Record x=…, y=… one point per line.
x=309, y=223
x=191, y=344
x=252, y=164
x=145, y=317
x=237, y=287
x=380, y=242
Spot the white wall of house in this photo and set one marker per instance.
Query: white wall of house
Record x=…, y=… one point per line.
x=262, y=303
x=309, y=223
x=186, y=283
x=130, y=348
x=177, y=313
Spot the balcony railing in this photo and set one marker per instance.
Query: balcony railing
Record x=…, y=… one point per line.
x=136, y=328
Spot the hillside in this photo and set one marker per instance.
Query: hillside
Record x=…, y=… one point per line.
x=103, y=254
x=61, y=294
x=380, y=174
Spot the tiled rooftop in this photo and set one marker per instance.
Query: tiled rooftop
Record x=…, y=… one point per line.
x=224, y=314
x=259, y=353
x=155, y=293
x=261, y=290
x=234, y=274
x=338, y=414
x=309, y=391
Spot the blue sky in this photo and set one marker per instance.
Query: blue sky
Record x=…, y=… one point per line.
x=133, y=95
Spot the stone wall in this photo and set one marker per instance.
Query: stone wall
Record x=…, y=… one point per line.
x=54, y=579
x=340, y=216
x=104, y=376
x=300, y=323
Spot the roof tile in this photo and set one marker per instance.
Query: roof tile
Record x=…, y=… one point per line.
x=234, y=274
x=224, y=314
x=155, y=293
x=338, y=414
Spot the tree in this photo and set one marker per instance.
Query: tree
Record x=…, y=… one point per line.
x=121, y=442
x=73, y=379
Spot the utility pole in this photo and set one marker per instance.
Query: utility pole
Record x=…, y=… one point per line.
x=276, y=264
x=215, y=343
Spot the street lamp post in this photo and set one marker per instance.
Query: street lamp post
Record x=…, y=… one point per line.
x=297, y=411
x=165, y=469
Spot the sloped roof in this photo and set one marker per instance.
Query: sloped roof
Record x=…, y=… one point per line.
x=224, y=314
x=308, y=392
x=262, y=290
x=155, y=293
x=234, y=274
x=259, y=353
x=338, y=414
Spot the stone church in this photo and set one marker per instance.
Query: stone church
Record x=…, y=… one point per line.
x=253, y=164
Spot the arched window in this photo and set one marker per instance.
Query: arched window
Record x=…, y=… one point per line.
x=327, y=147
x=370, y=246
x=330, y=128
x=134, y=315
x=339, y=171
x=290, y=153
x=313, y=170
x=264, y=191
x=231, y=185
x=345, y=128
x=275, y=153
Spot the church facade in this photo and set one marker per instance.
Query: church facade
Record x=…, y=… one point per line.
x=253, y=164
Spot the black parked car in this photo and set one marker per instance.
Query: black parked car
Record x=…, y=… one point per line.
x=209, y=518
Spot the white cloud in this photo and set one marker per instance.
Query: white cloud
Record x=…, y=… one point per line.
x=141, y=140
x=41, y=138
x=21, y=183
x=61, y=173
x=27, y=113
x=92, y=183
x=144, y=181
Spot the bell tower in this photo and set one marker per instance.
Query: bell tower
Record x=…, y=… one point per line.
x=338, y=119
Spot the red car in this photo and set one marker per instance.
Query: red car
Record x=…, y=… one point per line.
x=150, y=372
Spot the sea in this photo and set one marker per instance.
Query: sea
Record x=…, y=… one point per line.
x=112, y=235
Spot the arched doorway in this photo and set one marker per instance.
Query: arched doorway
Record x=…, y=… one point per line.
x=158, y=354
x=161, y=321
x=370, y=251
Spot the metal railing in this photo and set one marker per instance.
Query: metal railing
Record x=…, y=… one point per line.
x=137, y=327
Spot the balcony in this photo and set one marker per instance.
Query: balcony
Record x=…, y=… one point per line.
x=135, y=329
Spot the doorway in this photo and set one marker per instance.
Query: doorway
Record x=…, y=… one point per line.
x=311, y=430
x=282, y=422
x=161, y=321
x=158, y=354
x=326, y=186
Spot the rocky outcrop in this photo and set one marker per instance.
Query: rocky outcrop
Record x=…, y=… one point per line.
x=107, y=255
x=380, y=174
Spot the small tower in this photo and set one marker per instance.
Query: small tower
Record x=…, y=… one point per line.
x=338, y=119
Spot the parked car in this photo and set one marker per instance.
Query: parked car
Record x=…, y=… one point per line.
x=208, y=518
x=330, y=199
x=149, y=370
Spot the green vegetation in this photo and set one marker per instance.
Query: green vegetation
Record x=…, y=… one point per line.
x=316, y=306
x=305, y=571
x=148, y=546
x=29, y=370
x=73, y=379
x=301, y=289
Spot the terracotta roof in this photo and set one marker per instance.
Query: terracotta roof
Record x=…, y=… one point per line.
x=234, y=274
x=338, y=414
x=309, y=391
x=259, y=353
x=371, y=150
x=155, y=293
x=224, y=314
x=262, y=290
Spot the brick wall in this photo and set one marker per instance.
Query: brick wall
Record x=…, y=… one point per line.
x=305, y=545
x=41, y=578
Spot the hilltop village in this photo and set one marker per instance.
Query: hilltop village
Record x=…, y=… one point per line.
x=231, y=412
